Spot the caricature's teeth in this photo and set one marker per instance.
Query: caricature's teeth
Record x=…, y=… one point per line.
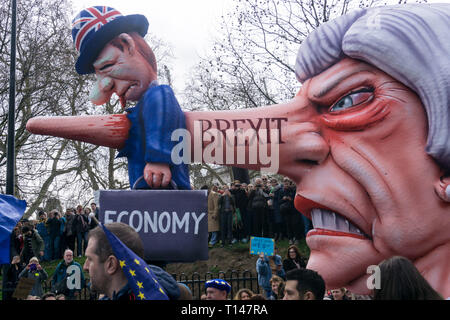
x=326, y=219
x=347, y=224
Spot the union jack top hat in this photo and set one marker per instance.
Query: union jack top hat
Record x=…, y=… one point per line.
x=94, y=27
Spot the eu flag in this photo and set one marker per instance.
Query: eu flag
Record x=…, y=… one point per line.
x=11, y=210
x=140, y=277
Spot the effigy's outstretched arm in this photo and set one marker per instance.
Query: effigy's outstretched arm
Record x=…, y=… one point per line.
x=253, y=138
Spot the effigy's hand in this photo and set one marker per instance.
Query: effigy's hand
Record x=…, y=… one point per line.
x=157, y=175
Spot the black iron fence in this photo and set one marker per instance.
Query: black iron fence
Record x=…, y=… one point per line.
x=195, y=282
x=237, y=280
x=85, y=293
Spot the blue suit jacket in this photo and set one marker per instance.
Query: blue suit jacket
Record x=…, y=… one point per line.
x=153, y=120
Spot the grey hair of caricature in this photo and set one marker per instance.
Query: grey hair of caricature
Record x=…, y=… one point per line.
x=410, y=42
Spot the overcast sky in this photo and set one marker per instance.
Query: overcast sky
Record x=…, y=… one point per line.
x=188, y=26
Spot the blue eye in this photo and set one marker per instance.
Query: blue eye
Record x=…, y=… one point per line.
x=352, y=100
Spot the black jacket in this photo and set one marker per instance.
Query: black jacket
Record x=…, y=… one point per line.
x=257, y=199
x=78, y=226
x=54, y=226
x=240, y=196
x=286, y=206
x=222, y=202
x=11, y=280
x=288, y=264
x=68, y=228
x=32, y=246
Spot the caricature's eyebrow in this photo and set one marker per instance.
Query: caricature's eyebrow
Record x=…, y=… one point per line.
x=330, y=86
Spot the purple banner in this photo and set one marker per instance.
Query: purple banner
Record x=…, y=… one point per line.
x=173, y=224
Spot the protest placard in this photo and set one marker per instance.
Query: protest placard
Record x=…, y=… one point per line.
x=23, y=288
x=260, y=245
x=173, y=224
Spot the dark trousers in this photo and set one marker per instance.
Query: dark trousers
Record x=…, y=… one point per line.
x=7, y=292
x=70, y=243
x=277, y=229
x=270, y=224
x=47, y=249
x=80, y=238
x=239, y=232
x=85, y=240
x=260, y=222
x=54, y=247
x=62, y=245
x=226, y=226
x=294, y=225
x=247, y=221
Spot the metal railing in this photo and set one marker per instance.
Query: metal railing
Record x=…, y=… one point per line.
x=238, y=280
x=196, y=283
x=85, y=293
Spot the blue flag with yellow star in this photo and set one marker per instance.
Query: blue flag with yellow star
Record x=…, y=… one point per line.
x=11, y=210
x=140, y=277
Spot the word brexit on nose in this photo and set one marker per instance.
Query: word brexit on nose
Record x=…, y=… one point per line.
x=229, y=144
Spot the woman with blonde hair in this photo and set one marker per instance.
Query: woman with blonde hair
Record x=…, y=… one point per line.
x=277, y=284
x=35, y=271
x=243, y=294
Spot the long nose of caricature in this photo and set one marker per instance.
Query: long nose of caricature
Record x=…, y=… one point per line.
x=106, y=130
x=101, y=91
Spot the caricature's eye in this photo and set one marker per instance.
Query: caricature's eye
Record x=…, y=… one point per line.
x=353, y=99
x=106, y=66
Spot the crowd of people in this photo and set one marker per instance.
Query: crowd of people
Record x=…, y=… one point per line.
x=69, y=230
x=400, y=281
x=53, y=236
x=235, y=212
x=34, y=271
x=264, y=208
x=57, y=231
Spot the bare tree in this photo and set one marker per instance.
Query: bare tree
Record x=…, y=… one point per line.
x=43, y=87
x=47, y=85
